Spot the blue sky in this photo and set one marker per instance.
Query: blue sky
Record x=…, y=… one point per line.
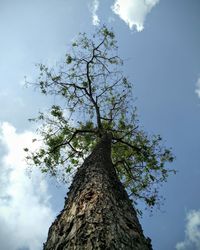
x=159, y=41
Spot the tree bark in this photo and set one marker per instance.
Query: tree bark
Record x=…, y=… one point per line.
x=97, y=213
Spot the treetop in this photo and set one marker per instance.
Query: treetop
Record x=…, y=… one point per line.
x=96, y=98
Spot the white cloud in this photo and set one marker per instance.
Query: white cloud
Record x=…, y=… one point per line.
x=134, y=12
x=25, y=211
x=197, y=90
x=93, y=9
x=192, y=232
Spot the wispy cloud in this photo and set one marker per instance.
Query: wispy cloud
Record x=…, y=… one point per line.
x=133, y=12
x=93, y=9
x=25, y=211
x=192, y=232
x=197, y=90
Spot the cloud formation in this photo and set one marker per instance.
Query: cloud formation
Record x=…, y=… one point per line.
x=197, y=90
x=133, y=12
x=94, y=7
x=192, y=232
x=25, y=211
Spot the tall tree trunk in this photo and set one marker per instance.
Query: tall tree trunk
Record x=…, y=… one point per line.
x=98, y=213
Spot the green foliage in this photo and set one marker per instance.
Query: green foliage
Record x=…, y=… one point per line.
x=98, y=99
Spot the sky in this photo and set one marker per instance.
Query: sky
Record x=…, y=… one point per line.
x=159, y=42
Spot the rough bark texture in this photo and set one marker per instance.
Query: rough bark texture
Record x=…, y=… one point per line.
x=98, y=213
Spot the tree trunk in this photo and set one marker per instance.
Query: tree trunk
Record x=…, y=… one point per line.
x=97, y=213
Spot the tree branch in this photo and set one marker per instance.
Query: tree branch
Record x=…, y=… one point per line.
x=67, y=142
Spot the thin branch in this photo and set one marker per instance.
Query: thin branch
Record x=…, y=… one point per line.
x=120, y=140
x=78, y=131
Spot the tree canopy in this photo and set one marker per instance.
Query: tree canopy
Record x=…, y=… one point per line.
x=96, y=98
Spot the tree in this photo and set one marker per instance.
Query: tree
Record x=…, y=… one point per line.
x=94, y=123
